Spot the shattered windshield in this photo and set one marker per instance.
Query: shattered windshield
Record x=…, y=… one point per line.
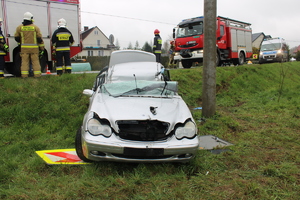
x=141, y=88
x=188, y=30
x=270, y=46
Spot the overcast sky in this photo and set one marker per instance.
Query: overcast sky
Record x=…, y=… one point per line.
x=135, y=20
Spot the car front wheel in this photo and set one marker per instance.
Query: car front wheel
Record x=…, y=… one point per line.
x=78, y=146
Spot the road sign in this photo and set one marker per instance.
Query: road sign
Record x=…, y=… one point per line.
x=60, y=156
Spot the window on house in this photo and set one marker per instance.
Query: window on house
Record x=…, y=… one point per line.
x=98, y=43
x=90, y=53
x=96, y=32
x=100, y=53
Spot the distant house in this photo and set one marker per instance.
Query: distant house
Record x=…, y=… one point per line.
x=95, y=43
x=257, y=39
x=294, y=51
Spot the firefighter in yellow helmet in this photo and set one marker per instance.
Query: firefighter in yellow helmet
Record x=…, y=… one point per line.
x=30, y=38
x=3, y=50
x=61, y=40
x=157, y=45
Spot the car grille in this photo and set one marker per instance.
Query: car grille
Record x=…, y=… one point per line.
x=270, y=56
x=143, y=130
x=188, y=45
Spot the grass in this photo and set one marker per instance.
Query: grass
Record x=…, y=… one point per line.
x=258, y=110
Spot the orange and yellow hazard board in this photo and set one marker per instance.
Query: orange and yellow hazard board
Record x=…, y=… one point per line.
x=61, y=156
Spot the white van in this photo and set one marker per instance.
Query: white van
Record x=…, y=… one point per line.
x=273, y=50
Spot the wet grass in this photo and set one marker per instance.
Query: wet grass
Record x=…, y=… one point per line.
x=258, y=110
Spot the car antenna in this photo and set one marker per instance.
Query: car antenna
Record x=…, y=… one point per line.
x=137, y=92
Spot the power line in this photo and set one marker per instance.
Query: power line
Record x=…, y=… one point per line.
x=145, y=20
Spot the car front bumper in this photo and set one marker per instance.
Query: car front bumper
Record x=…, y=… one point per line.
x=99, y=148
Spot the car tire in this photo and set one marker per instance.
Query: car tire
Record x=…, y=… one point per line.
x=186, y=64
x=218, y=60
x=78, y=146
x=241, y=59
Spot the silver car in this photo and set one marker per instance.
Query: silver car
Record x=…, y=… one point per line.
x=136, y=115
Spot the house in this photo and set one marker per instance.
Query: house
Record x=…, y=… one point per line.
x=257, y=39
x=95, y=43
x=294, y=51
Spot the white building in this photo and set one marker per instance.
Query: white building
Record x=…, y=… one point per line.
x=95, y=43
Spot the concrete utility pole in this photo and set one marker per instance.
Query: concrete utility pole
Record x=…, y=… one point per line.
x=209, y=59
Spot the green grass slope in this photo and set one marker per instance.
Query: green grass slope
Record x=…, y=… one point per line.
x=258, y=110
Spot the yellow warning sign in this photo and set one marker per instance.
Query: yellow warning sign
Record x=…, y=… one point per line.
x=60, y=156
x=255, y=56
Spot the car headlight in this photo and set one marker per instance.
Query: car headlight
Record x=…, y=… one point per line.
x=95, y=127
x=279, y=51
x=177, y=54
x=189, y=130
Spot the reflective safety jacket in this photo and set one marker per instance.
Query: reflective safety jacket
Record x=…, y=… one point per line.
x=2, y=44
x=30, y=38
x=62, y=39
x=157, y=44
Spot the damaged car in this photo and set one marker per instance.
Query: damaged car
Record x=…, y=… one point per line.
x=136, y=115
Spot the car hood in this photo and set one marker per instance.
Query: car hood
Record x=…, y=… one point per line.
x=171, y=110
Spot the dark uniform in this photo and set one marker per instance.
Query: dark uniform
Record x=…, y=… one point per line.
x=157, y=45
x=3, y=50
x=62, y=39
x=172, y=63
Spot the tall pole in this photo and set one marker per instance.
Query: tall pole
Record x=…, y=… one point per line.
x=209, y=59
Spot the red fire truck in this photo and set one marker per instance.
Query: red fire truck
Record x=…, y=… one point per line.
x=46, y=13
x=234, y=41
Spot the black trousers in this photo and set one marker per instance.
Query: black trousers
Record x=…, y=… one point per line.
x=63, y=58
x=158, y=55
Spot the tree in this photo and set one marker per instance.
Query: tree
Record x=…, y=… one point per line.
x=129, y=46
x=166, y=47
x=137, y=46
x=117, y=45
x=147, y=47
x=298, y=56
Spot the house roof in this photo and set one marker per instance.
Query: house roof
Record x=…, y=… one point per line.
x=256, y=35
x=297, y=49
x=85, y=33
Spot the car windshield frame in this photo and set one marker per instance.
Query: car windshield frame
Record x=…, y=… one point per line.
x=141, y=88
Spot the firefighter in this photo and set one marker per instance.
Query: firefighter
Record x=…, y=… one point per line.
x=61, y=40
x=3, y=50
x=172, y=63
x=157, y=45
x=29, y=36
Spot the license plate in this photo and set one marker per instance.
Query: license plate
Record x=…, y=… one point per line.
x=143, y=152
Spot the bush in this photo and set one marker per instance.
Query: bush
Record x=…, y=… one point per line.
x=298, y=56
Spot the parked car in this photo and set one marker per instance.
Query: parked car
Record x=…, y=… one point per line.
x=136, y=115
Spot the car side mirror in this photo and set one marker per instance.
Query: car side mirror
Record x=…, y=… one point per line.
x=88, y=92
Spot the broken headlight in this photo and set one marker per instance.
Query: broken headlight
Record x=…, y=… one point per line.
x=188, y=130
x=95, y=127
